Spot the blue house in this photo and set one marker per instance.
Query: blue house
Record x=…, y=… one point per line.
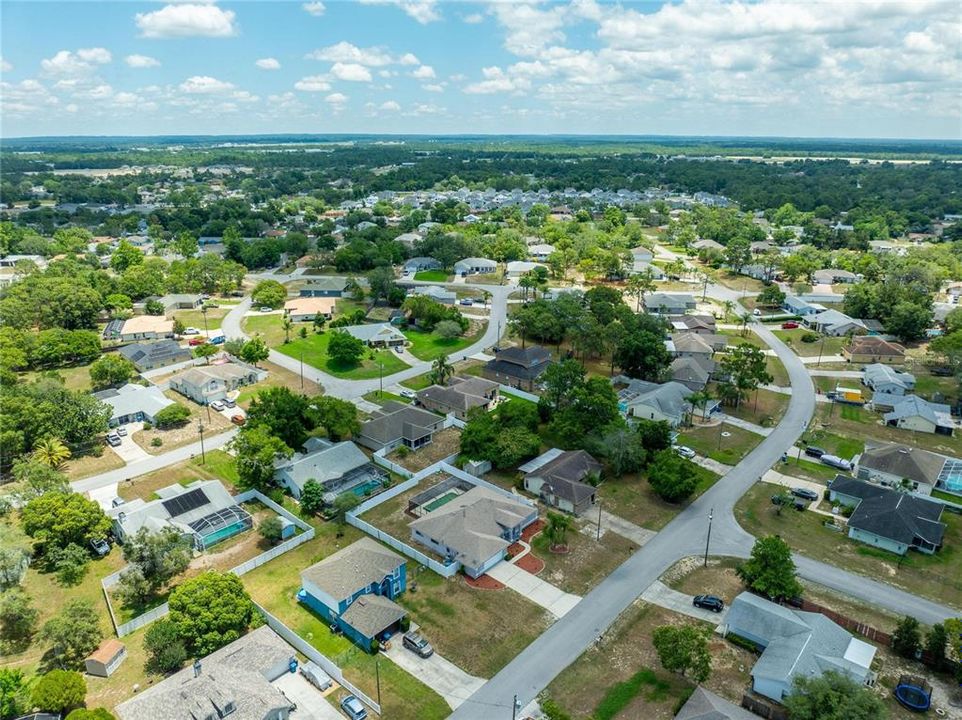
x=797, y=306
x=324, y=287
x=355, y=588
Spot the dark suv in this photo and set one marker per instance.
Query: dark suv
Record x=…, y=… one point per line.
x=709, y=602
x=815, y=452
x=804, y=493
x=417, y=644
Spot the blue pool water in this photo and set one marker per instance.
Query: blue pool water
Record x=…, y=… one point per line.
x=364, y=487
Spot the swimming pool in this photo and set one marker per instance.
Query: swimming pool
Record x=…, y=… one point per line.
x=366, y=488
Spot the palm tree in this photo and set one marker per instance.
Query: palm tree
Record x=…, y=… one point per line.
x=699, y=399
x=441, y=370
x=639, y=284
x=51, y=452
x=557, y=529
x=729, y=308
x=288, y=324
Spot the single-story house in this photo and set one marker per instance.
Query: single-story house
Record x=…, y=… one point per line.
x=203, y=511
x=103, y=661
x=707, y=244
x=355, y=589
x=139, y=327
x=399, y=424
x=656, y=401
x=688, y=344
x=459, y=396
x=417, y=264
x=647, y=269
x=378, y=335
x=206, y=383
x=180, y=301
x=889, y=519
x=518, y=367
x=517, y=268
x=694, y=372
x=149, y=356
x=307, y=307
x=698, y=324
x=409, y=238
x=798, y=306
x=133, y=403
x=883, y=379
x=920, y=415
x=834, y=323
x=436, y=293
x=558, y=478
x=337, y=467
x=474, y=529
x=795, y=644
x=641, y=254
x=832, y=276
x=760, y=247
x=661, y=303
x=474, y=266
x=871, y=349
x=324, y=287
x=540, y=252
x=890, y=464
x=235, y=681
x=705, y=705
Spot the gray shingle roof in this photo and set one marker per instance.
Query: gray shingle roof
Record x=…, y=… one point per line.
x=400, y=421
x=913, y=463
x=565, y=472
x=913, y=406
x=381, y=332
x=162, y=352
x=706, y=705
x=132, y=399
x=371, y=614
x=357, y=566
x=879, y=373
x=892, y=514
x=325, y=463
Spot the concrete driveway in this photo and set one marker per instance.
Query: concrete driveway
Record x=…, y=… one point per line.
x=552, y=599
x=444, y=677
x=128, y=450
x=311, y=704
x=660, y=594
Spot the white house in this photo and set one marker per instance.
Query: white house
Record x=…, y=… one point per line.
x=474, y=266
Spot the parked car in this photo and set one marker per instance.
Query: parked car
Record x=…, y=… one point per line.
x=316, y=676
x=100, y=546
x=113, y=440
x=466, y=301
x=789, y=325
x=756, y=312
x=122, y=431
x=416, y=643
x=804, y=493
x=218, y=405
x=238, y=419
x=265, y=308
x=191, y=331
x=685, y=452
x=217, y=340
x=196, y=341
x=708, y=602
x=836, y=462
x=353, y=708
x=815, y=452
x=409, y=394
x=399, y=349
x=230, y=403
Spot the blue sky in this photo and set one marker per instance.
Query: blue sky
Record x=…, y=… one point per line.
x=707, y=67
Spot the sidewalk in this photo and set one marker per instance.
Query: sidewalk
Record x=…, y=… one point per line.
x=542, y=593
x=749, y=426
x=619, y=526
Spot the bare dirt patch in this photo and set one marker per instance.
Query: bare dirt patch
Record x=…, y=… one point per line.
x=185, y=433
x=445, y=443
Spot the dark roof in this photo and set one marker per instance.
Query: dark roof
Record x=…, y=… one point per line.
x=162, y=351
x=397, y=420
x=528, y=357
x=564, y=475
x=874, y=346
x=892, y=514
x=903, y=461
x=706, y=705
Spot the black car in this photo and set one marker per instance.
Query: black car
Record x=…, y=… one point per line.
x=708, y=602
x=805, y=493
x=815, y=452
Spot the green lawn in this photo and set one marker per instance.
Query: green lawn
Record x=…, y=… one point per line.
x=938, y=576
x=827, y=346
x=432, y=276
x=778, y=372
x=74, y=378
x=631, y=497
x=710, y=442
x=418, y=382
x=737, y=337
x=511, y=397
x=428, y=346
x=379, y=398
x=861, y=425
x=195, y=318
x=763, y=407
x=843, y=447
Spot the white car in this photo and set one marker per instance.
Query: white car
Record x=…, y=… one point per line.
x=409, y=394
x=218, y=405
x=191, y=331
x=264, y=308
x=685, y=452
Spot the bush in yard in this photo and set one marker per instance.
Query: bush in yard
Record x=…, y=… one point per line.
x=344, y=349
x=809, y=337
x=111, y=370
x=171, y=415
x=95, y=714
x=210, y=610
x=154, y=559
x=18, y=617
x=671, y=476
x=683, y=649
x=271, y=528
x=70, y=563
x=14, y=694
x=375, y=645
x=312, y=497
x=770, y=570
x=59, y=691
x=269, y=293
x=156, y=442
x=447, y=330
x=833, y=695
x=907, y=638
x=165, y=647
x=73, y=634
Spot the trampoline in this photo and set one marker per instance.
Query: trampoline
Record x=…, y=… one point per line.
x=913, y=693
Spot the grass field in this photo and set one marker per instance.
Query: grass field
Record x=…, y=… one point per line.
x=631, y=497
x=710, y=442
x=278, y=376
x=432, y=276
x=587, y=562
x=81, y=466
x=418, y=382
x=938, y=577
x=762, y=407
x=826, y=345
x=428, y=346
x=379, y=398
x=861, y=425
x=778, y=372
x=195, y=318
x=74, y=378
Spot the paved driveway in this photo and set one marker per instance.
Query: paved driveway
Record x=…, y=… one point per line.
x=552, y=599
x=660, y=594
x=128, y=450
x=444, y=677
x=311, y=704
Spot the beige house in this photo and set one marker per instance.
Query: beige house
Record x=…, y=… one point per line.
x=305, y=309
x=140, y=327
x=207, y=383
x=105, y=659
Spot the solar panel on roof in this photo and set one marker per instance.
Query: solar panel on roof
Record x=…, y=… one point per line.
x=186, y=502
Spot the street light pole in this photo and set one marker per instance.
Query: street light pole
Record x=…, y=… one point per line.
x=200, y=429
x=599, y=521
x=302, y=367
x=711, y=515
x=203, y=311
x=380, y=378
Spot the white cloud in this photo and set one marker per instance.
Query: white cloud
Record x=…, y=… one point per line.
x=205, y=85
x=390, y=106
x=72, y=107
x=336, y=99
x=350, y=72
x=314, y=8
x=313, y=83
x=81, y=62
x=425, y=72
x=473, y=19
x=190, y=19
x=5, y=66
x=424, y=11
x=528, y=27
x=268, y=64
x=495, y=81
x=345, y=52
x=433, y=87
x=408, y=59
x=141, y=61
x=126, y=98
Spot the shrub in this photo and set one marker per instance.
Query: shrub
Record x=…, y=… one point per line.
x=156, y=442
x=175, y=414
x=810, y=337
x=148, y=425
x=59, y=691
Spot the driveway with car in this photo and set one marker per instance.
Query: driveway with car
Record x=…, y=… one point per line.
x=311, y=704
x=128, y=450
x=444, y=677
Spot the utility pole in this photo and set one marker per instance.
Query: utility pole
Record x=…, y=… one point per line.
x=380, y=378
x=203, y=311
x=200, y=429
x=599, y=521
x=711, y=515
x=302, y=367
x=514, y=708
x=377, y=677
